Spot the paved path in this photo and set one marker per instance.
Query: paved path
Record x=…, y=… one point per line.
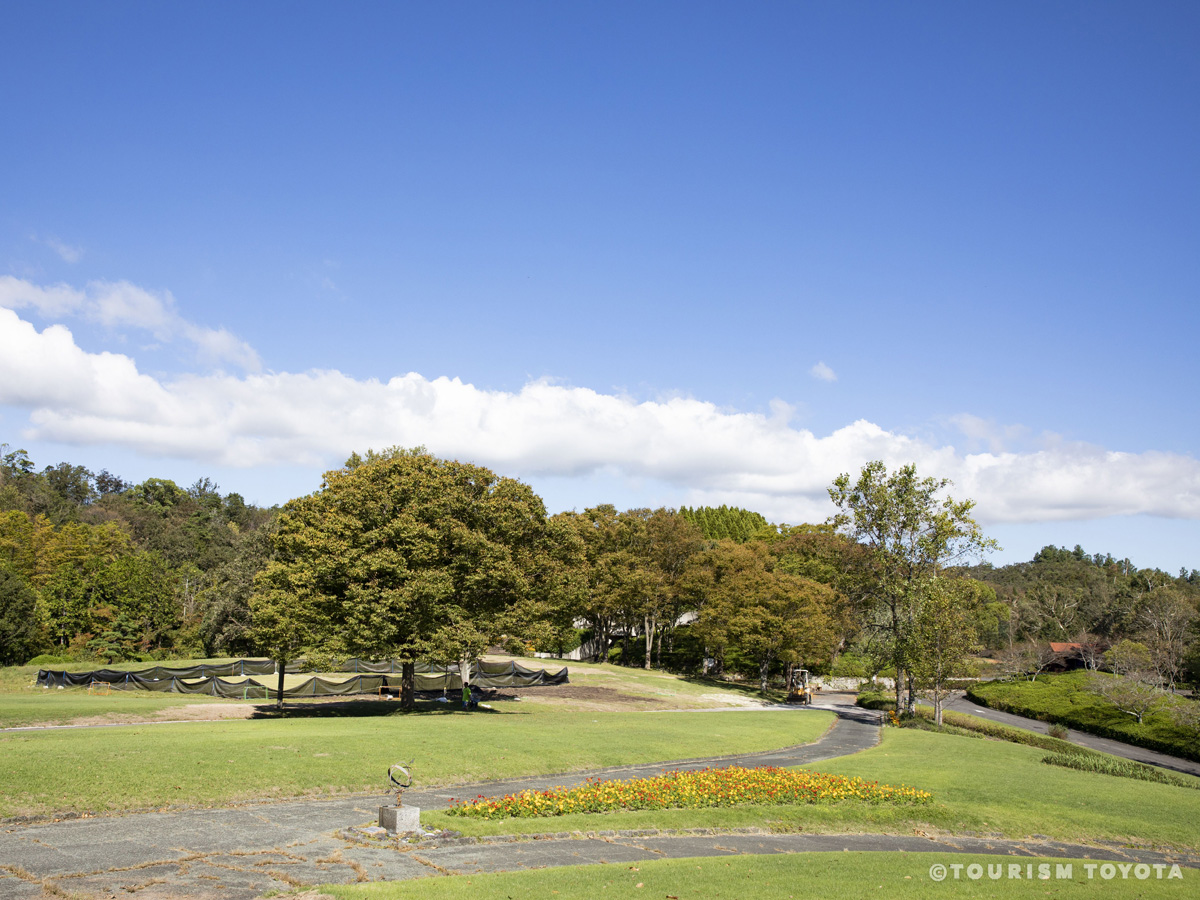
x=241, y=853
x=959, y=703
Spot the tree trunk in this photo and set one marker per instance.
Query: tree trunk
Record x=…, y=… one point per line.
x=280, y=665
x=464, y=673
x=601, y=639
x=651, y=626
x=408, y=684
x=764, y=669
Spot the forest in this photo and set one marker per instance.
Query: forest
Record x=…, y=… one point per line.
x=94, y=568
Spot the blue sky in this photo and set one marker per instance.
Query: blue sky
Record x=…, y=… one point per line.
x=636, y=253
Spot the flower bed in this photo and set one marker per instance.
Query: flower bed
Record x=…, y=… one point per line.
x=732, y=786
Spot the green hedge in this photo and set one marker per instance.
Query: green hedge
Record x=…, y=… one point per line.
x=876, y=700
x=1122, y=768
x=1064, y=699
x=1006, y=732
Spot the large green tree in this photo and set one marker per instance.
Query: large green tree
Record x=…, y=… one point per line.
x=913, y=533
x=612, y=574
x=749, y=604
x=407, y=555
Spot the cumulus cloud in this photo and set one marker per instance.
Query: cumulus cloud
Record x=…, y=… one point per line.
x=708, y=454
x=118, y=305
x=822, y=372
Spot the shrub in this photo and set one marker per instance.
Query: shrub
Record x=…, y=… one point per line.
x=1060, y=731
x=926, y=723
x=875, y=700
x=49, y=659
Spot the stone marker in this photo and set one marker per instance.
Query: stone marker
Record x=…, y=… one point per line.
x=400, y=819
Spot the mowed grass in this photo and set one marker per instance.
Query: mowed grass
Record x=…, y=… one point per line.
x=665, y=687
x=22, y=703
x=78, y=706
x=348, y=748
x=988, y=786
x=979, y=787
x=847, y=876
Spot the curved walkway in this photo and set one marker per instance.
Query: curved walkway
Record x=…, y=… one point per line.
x=244, y=852
x=959, y=703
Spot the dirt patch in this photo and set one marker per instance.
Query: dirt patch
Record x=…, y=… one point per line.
x=585, y=697
x=191, y=712
x=208, y=712
x=735, y=700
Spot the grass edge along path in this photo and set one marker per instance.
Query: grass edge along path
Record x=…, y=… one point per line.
x=980, y=787
x=846, y=875
x=105, y=770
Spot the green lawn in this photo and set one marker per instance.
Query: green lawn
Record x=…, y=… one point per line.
x=1065, y=699
x=979, y=786
x=992, y=786
x=23, y=704
x=348, y=748
x=847, y=876
x=78, y=706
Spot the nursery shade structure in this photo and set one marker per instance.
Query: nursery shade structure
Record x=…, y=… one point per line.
x=377, y=676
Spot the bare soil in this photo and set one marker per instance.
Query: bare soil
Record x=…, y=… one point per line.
x=192, y=712
x=581, y=697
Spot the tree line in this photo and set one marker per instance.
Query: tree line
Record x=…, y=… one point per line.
x=94, y=567
x=405, y=555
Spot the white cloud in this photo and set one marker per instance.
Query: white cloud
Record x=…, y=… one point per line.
x=822, y=372
x=117, y=305
x=66, y=252
x=708, y=454
x=987, y=433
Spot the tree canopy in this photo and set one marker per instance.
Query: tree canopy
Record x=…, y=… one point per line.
x=913, y=534
x=403, y=554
